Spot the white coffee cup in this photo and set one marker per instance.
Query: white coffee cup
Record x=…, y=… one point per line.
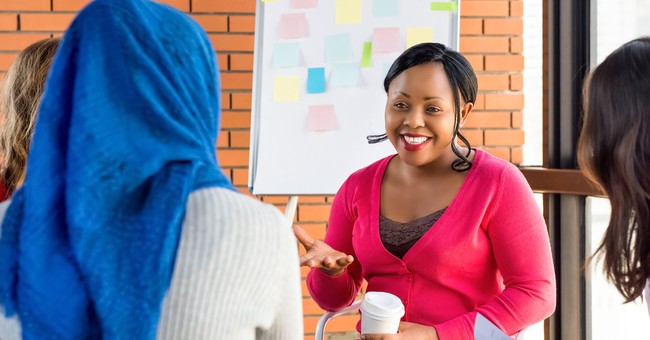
x=381, y=313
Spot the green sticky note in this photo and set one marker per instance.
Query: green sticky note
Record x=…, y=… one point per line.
x=444, y=6
x=286, y=89
x=366, y=57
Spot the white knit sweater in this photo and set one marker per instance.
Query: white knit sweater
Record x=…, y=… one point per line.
x=236, y=274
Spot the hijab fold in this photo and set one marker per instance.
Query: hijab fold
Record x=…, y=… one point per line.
x=127, y=129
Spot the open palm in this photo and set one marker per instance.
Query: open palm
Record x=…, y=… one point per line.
x=320, y=255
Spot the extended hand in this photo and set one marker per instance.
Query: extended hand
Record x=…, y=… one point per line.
x=407, y=330
x=320, y=255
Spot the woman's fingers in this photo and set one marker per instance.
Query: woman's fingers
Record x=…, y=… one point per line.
x=303, y=237
x=345, y=261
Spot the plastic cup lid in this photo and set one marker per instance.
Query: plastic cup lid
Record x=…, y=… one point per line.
x=382, y=304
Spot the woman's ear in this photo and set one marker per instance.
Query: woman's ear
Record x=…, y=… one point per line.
x=464, y=112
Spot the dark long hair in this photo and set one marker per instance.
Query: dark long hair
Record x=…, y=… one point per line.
x=461, y=79
x=614, y=152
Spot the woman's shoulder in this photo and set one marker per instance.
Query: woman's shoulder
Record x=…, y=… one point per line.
x=225, y=204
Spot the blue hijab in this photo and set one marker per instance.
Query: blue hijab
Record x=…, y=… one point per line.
x=126, y=131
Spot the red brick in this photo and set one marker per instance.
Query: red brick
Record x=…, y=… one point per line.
x=503, y=153
x=18, y=41
x=25, y=5
x=240, y=139
x=484, y=44
x=516, y=45
x=504, y=62
x=517, y=155
x=225, y=101
x=471, y=26
x=517, y=120
x=494, y=101
x=240, y=176
x=235, y=120
x=511, y=26
x=309, y=307
x=474, y=136
x=479, y=104
x=236, y=81
x=8, y=22
x=242, y=23
x=212, y=23
x=45, y=21
x=472, y=8
x=493, y=82
x=241, y=62
x=516, y=8
x=223, y=6
x=504, y=137
x=222, y=58
x=6, y=59
x=182, y=5
x=488, y=119
x=223, y=140
x=313, y=213
x=68, y=5
x=516, y=82
x=228, y=157
x=476, y=60
x=242, y=101
x=233, y=42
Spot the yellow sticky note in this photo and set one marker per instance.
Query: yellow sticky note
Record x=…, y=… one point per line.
x=348, y=11
x=286, y=89
x=269, y=0
x=415, y=36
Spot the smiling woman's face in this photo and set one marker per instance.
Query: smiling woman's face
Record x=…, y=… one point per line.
x=420, y=114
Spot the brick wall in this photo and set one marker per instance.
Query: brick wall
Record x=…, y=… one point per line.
x=490, y=38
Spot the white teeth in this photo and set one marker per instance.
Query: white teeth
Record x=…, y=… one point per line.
x=415, y=140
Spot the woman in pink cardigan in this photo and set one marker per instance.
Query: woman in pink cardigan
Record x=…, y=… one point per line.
x=452, y=231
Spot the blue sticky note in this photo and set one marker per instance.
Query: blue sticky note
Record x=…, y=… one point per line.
x=385, y=8
x=345, y=75
x=338, y=48
x=316, y=80
x=286, y=55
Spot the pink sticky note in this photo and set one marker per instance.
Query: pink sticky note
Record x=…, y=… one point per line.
x=386, y=40
x=304, y=3
x=321, y=118
x=293, y=26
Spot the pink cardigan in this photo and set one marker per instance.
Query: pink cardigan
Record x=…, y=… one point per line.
x=489, y=253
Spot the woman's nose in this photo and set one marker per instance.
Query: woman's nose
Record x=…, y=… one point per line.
x=414, y=120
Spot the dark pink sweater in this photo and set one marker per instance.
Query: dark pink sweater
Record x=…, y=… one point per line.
x=489, y=253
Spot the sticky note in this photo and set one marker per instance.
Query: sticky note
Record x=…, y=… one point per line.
x=444, y=6
x=286, y=89
x=385, y=8
x=415, y=36
x=366, y=57
x=269, y=0
x=348, y=11
x=293, y=26
x=321, y=118
x=386, y=40
x=316, y=80
x=345, y=75
x=338, y=48
x=304, y=3
x=386, y=69
x=286, y=54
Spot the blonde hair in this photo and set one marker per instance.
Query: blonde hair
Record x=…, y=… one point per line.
x=21, y=98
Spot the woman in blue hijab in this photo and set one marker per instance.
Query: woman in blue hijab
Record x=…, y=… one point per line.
x=126, y=226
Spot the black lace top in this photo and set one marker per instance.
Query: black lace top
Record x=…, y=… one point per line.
x=399, y=237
